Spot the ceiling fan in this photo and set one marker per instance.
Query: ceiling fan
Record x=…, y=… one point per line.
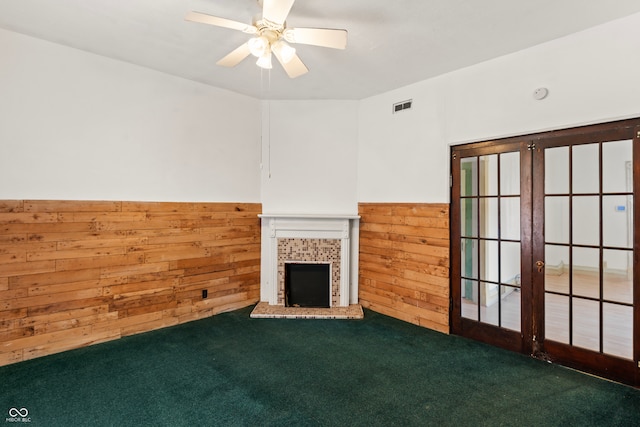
x=272, y=36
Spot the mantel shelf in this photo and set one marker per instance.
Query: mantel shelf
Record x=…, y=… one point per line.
x=309, y=216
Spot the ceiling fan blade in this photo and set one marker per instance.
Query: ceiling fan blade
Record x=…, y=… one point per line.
x=294, y=68
x=336, y=39
x=235, y=57
x=276, y=11
x=219, y=22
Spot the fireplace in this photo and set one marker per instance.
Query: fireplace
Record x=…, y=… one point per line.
x=307, y=284
x=321, y=240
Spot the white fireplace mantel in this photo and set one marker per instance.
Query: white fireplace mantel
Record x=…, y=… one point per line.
x=305, y=226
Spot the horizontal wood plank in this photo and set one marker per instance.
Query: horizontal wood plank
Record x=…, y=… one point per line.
x=71, y=206
x=11, y=206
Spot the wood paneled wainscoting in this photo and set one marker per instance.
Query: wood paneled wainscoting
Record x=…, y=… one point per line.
x=75, y=273
x=404, y=262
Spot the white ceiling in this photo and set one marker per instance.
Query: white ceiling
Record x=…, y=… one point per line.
x=391, y=43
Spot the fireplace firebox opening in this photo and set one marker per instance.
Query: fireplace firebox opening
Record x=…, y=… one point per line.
x=307, y=284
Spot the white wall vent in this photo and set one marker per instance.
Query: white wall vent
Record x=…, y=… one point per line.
x=400, y=106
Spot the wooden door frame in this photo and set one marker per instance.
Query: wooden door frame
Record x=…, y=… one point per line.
x=606, y=365
x=519, y=341
x=532, y=336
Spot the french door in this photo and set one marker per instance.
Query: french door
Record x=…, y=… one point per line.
x=543, y=246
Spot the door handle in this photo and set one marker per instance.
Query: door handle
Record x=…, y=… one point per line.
x=540, y=265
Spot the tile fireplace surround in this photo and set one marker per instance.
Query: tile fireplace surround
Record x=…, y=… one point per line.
x=331, y=239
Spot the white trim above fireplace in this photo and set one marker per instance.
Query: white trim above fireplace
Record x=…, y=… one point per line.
x=304, y=226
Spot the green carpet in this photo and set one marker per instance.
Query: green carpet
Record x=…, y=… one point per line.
x=232, y=370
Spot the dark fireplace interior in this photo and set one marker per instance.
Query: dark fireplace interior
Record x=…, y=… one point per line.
x=307, y=285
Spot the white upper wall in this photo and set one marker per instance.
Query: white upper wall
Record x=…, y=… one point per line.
x=79, y=126
x=592, y=76
x=309, y=157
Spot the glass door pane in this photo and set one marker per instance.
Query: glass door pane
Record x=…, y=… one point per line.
x=490, y=239
x=588, y=246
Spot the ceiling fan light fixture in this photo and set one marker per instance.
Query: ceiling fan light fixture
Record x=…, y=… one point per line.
x=265, y=61
x=284, y=51
x=258, y=46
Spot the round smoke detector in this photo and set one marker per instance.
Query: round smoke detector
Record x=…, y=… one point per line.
x=540, y=93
